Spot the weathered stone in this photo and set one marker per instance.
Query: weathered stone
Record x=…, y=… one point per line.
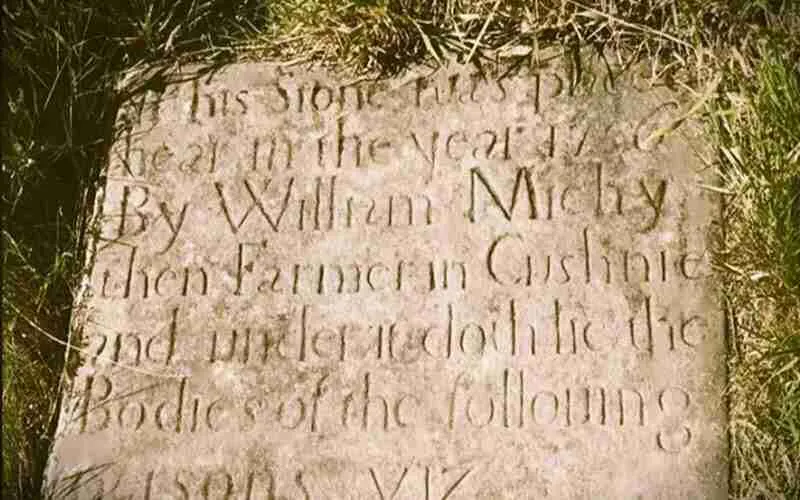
x=442, y=286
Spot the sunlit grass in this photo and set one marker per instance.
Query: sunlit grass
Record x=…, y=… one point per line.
x=760, y=144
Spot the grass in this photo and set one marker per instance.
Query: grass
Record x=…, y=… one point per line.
x=62, y=58
x=761, y=167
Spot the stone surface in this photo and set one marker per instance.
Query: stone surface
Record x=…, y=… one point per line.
x=440, y=286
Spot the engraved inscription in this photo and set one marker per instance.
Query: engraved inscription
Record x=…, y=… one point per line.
x=477, y=282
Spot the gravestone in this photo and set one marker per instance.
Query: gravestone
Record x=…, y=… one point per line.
x=450, y=284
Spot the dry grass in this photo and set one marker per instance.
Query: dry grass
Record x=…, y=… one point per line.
x=63, y=57
x=760, y=139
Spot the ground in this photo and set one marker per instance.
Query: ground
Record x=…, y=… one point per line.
x=62, y=62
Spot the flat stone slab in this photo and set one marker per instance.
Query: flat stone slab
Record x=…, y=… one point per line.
x=451, y=284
